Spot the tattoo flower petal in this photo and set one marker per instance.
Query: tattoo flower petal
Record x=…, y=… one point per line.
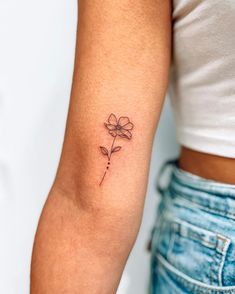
x=123, y=120
x=113, y=133
x=126, y=134
x=112, y=119
x=110, y=126
x=128, y=126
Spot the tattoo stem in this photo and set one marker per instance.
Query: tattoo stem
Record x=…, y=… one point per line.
x=112, y=147
x=102, y=178
x=109, y=157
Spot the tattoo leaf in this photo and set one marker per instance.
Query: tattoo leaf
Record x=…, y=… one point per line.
x=104, y=150
x=117, y=148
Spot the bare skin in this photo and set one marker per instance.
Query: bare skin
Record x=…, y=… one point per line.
x=90, y=221
x=209, y=166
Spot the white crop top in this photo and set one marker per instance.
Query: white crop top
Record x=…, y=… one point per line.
x=202, y=75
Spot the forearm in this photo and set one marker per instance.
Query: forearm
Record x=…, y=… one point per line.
x=92, y=215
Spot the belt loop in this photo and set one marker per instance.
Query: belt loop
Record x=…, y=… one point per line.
x=167, y=163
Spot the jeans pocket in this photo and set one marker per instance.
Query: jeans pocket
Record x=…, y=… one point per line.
x=193, y=251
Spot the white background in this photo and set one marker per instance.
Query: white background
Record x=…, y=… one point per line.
x=36, y=62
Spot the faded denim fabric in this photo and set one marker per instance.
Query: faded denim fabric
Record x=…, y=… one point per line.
x=193, y=240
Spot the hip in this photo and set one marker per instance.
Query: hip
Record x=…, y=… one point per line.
x=193, y=240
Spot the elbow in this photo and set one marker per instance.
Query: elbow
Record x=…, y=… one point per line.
x=107, y=228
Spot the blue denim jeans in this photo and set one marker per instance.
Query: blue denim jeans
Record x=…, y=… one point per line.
x=193, y=240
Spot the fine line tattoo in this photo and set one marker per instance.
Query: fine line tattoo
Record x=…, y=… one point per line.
x=117, y=128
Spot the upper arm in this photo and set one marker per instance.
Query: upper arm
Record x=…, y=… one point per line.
x=121, y=67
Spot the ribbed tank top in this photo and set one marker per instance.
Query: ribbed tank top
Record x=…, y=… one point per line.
x=202, y=75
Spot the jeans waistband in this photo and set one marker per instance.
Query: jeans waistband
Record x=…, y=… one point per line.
x=211, y=195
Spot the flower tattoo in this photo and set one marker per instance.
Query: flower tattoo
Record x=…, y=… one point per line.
x=117, y=128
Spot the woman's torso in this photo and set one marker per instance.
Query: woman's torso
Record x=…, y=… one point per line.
x=202, y=86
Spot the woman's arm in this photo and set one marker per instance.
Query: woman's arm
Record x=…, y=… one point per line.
x=92, y=215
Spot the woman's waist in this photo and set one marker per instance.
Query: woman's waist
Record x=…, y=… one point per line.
x=194, y=192
x=208, y=166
